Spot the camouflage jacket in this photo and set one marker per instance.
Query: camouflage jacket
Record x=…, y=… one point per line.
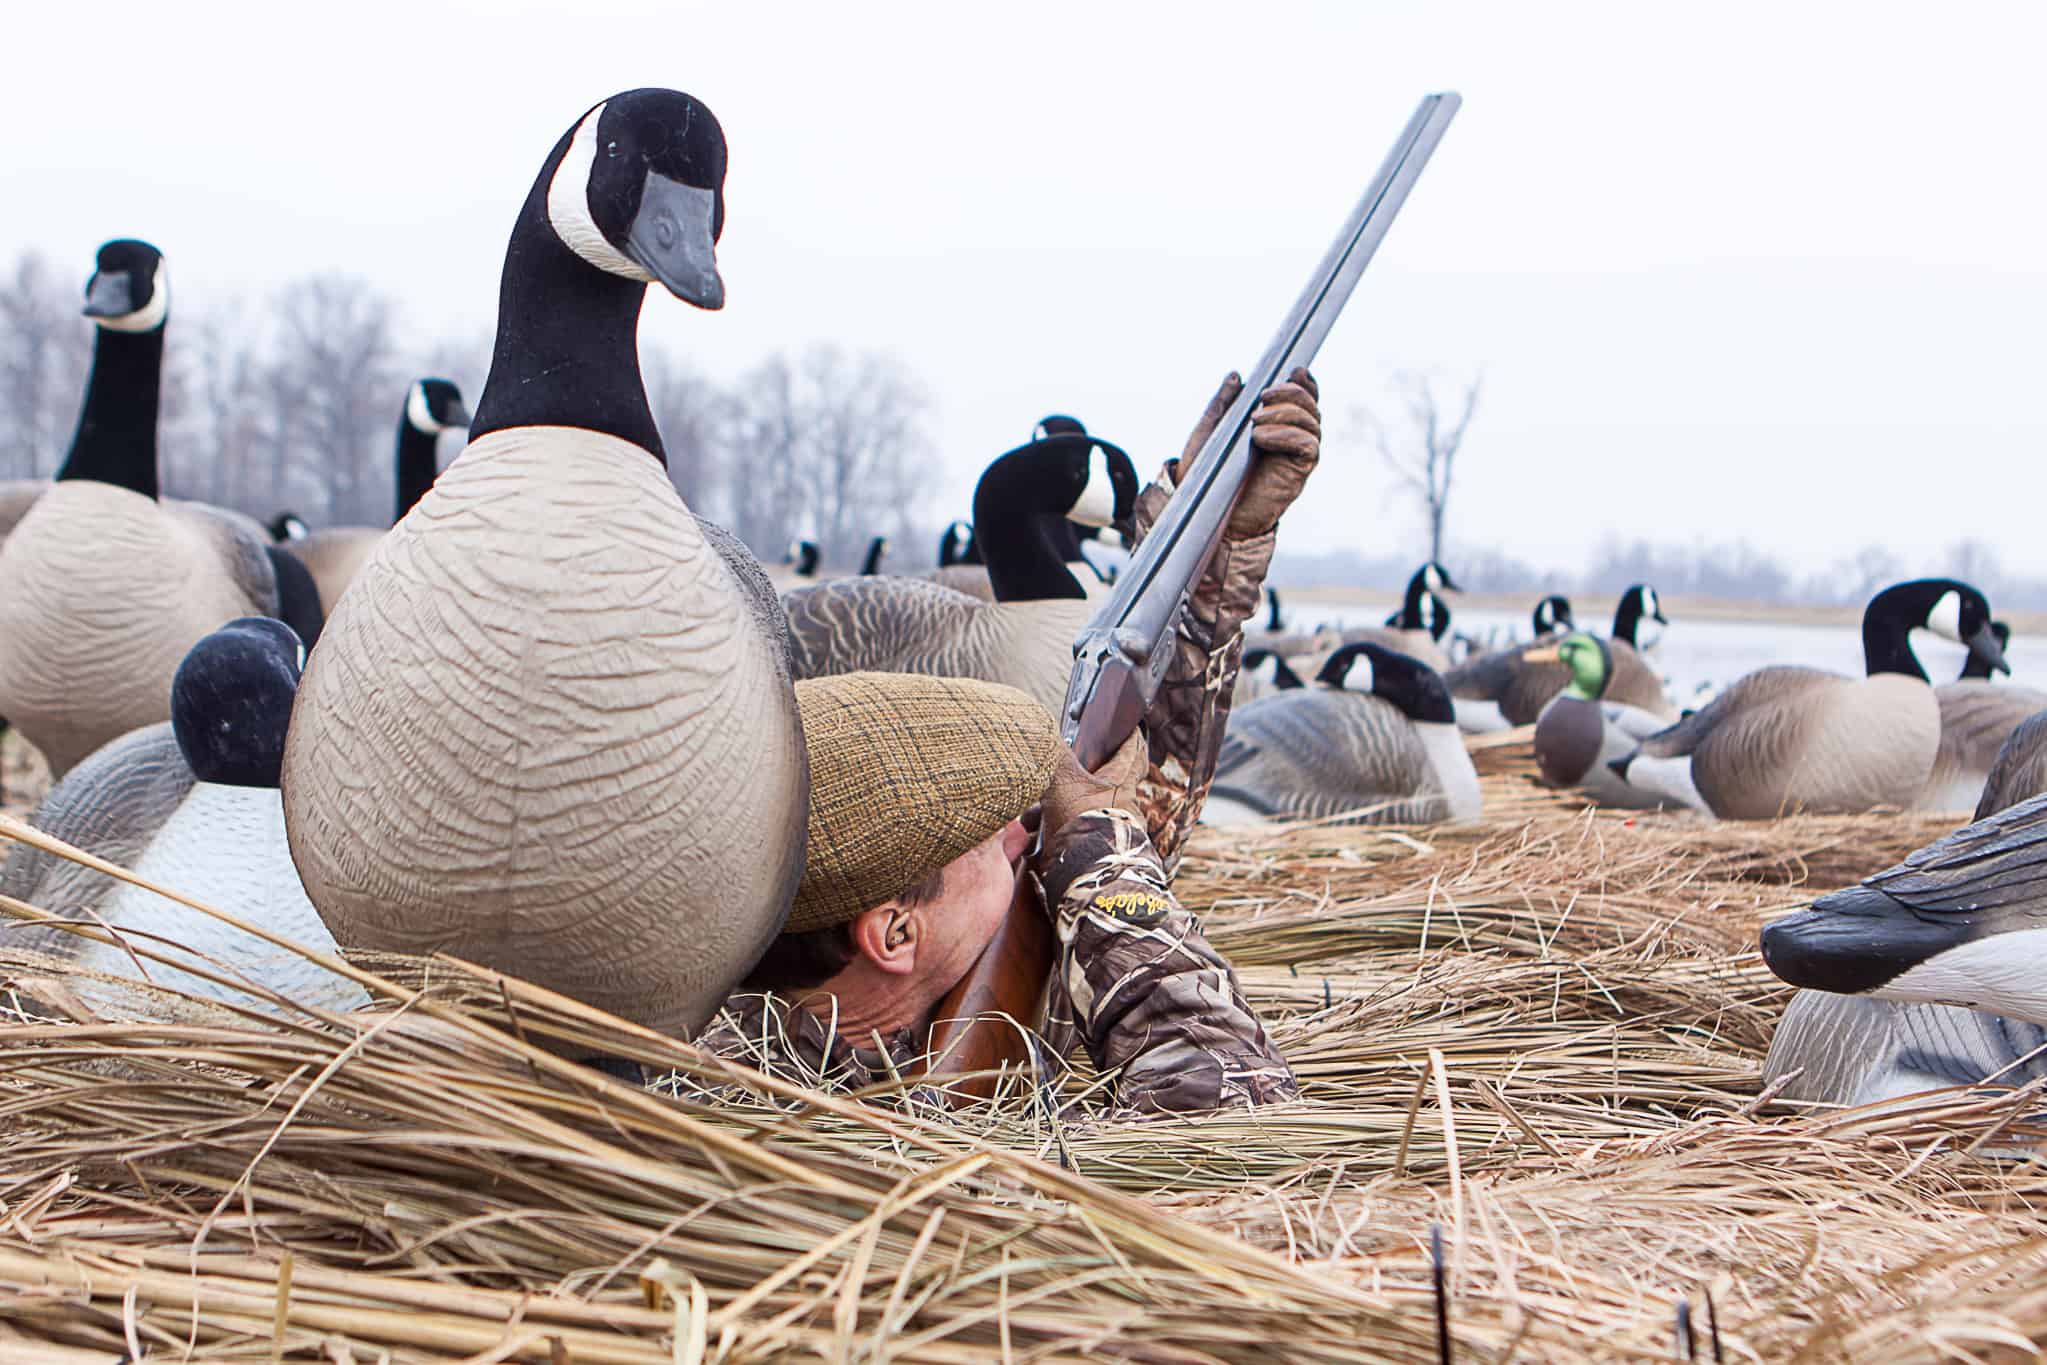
x=1134, y=982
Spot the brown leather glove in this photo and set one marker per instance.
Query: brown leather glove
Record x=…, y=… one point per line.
x=1076, y=791
x=1286, y=433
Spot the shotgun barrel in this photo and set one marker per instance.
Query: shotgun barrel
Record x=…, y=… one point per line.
x=1121, y=658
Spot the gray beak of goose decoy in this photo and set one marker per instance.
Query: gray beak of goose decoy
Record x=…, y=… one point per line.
x=109, y=295
x=1983, y=644
x=671, y=239
x=461, y=416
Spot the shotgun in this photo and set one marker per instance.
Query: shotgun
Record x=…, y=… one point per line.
x=1121, y=657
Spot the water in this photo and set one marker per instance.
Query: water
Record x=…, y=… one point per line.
x=1698, y=656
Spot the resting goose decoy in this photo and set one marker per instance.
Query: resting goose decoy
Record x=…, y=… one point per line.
x=1376, y=736
x=192, y=805
x=1262, y=673
x=1551, y=614
x=1580, y=732
x=551, y=727
x=1977, y=717
x=1782, y=739
x=334, y=555
x=798, y=567
x=1505, y=688
x=104, y=586
x=1023, y=638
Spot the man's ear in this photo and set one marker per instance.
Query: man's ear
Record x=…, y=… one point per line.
x=887, y=937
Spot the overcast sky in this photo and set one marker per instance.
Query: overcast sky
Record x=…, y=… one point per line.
x=1747, y=270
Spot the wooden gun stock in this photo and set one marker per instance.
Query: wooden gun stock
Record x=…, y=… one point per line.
x=979, y=1029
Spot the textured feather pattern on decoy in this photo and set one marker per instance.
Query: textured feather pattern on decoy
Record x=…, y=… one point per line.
x=912, y=625
x=2020, y=771
x=625, y=741
x=334, y=557
x=1521, y=689
x=1976, y=718
x=970, y=579
x=1782, y=739
x=97, y=624
x=1854, y=1050
x=135, y=803
x=1320, y=752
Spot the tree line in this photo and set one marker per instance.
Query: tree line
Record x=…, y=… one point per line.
x=291, y=403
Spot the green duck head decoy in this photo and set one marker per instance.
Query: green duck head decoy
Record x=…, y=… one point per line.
x=1588, y=658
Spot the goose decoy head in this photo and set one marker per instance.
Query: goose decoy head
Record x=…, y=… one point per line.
x=1411, y=685
x=1552, y=614
x=1586, y=656
x=955, y=544
x=231, y=701
x=1097, y=482
x=1948, y=607
x=1269, y=667
x=1058, y=424
x=1974, y=666
x=1639, y=618
x=130, y=290
x=804, y=556
x=432, y=406
x=1433, y=577
x=286, y=527
x=639, y=192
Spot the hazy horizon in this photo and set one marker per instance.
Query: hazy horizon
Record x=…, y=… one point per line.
x=1774, y=277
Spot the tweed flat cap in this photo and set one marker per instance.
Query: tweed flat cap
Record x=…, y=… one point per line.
x=907, y=772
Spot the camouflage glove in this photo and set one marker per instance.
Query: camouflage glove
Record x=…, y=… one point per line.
x=1075, y=791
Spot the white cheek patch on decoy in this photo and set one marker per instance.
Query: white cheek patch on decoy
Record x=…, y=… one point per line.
x=1432, y=577
x=149, y=316
x=1096, y=505
x=2004, y=974
x=1946, y=617
x=1360, y=677
x=1650, y=606
x=419, y=414
x=1648, y=633
x=568, y=206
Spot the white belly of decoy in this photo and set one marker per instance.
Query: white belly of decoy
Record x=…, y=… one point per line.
x=2001, y=974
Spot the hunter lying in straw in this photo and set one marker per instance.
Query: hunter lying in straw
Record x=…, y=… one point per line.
x=919, y=786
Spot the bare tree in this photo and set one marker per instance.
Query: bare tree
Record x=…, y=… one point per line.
x=45, y=349
x=335, y=388
x=690, y=413
x=1421, y=449
x=1976, y=564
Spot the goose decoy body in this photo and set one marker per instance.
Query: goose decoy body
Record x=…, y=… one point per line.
x=1375, y=740
x=1977, y=719
x=193, y=805
x=1023, y=638
x=551, y=728
x=1782, y=739
x=1579, y=732
x=335, y=554
x=104, y=585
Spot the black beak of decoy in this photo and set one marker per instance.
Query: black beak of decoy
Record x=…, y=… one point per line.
x=461, y=416
x=1619, y=766
x=109, y=295
x=1855, y=941
x=1983, y=644
x=671, y=238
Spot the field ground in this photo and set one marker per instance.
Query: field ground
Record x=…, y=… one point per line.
x=1541, y=1034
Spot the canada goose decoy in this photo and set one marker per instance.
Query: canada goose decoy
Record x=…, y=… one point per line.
x=104, y=585
x=1505, y=688
x=1274, y=618
x=1977, y=717
x=551, y=727
x=1376, y=735
x=286, y=527
x=1551, y=614
x=877, y=551
x=1579, y=732
x=1023, y=638
x=957, y=545
x=1417, y=630
x=1638, y=619
x=798, y=567
x=2020, y=770
x=335, y=554
x=192, y=805
x=1262, y=673
x=1782, y=739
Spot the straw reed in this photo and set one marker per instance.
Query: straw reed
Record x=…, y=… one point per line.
x=1541, y=1034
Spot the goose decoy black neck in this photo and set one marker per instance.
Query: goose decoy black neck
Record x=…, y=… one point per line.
x=631, y=195
x=1272, y=613
x=1947, y=607
x=1411, y=685
x=1638, y=604
x=1272, y=667
x=877, y=550
x=1976, y=667
x=128, y=299
x=1030, y=500
x=803, y=554
x=231, y=701
x=432, y=406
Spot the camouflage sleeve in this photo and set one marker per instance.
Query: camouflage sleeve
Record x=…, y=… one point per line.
x=1140, y=988
x=1186, y=724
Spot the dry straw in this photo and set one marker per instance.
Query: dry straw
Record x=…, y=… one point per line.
x=1542, y=1034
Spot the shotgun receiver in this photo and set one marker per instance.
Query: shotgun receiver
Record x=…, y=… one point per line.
x=1120, y=659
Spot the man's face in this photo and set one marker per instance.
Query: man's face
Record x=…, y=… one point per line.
x=979, y=885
